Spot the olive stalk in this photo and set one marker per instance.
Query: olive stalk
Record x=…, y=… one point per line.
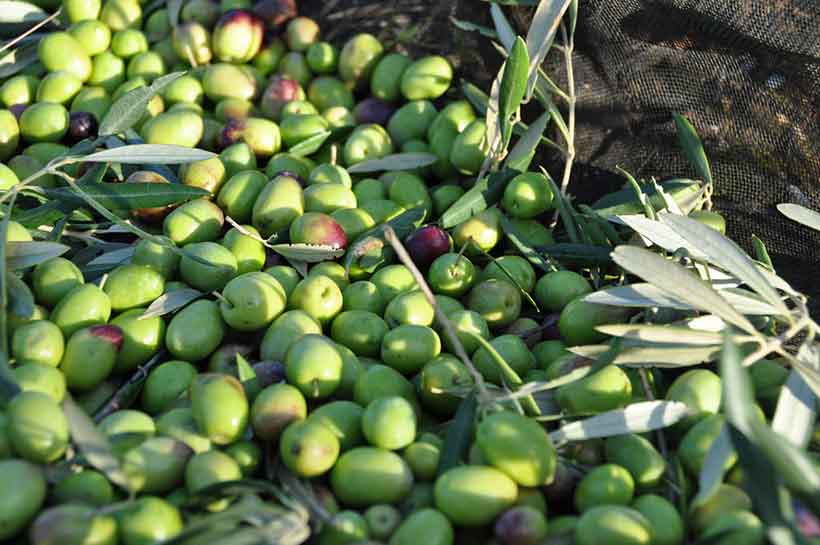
x=571, y=99
x=126, y=393
x=44, y=22
x=407, y=261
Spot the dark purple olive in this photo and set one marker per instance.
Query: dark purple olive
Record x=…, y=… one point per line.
x=521, y=525
x=231, y=133
x=562, y=488
x=18, y=109
x=426, y=244
x=275, y=12
x=81, y=125
x=373, y=110
x=549, y=331
x=269, y=372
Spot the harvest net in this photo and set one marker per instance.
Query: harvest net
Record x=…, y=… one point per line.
x=746, y=73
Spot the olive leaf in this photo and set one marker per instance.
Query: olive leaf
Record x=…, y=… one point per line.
x=310, y=145
x=395, y=162
x=472, y=27
x=173, y=7
x=370, y=249
x=635, y=418
x=679, y=282
x=20, y=298
x=541, y=36
x=503, y=27
x=137, y=154
x=795, y=414
x=714, y=466
x=22, y=255
x=459, y=435
x=522, y=153
x=800, y=214
x=171, y=301
x=580, y=254
x=662, y=334
x=523, y=248
x=130, y=108
x=512, y=88
x=660, y=234
x=761, y=252
x=247, y=376
x=128, y=196
x=485, y=193
x=476, y=97
x=17, y=60
x=643, y=295
x=18, y=11
x=310, y=253
x=724, y=253
x=692, y=147
x=107, y=261
x=508, y=374
x=93, y=444
x=659, y=355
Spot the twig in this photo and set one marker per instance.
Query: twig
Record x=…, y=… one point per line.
x=33, y=29
x=449, y=330
x=123, y=397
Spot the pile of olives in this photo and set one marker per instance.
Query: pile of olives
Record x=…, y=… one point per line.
x=354, y=381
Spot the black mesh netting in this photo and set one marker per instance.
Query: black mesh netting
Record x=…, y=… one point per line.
x=745, y=72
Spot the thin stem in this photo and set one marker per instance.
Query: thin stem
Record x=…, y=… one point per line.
x=123, y=397
x=571, y=101
x=4, y=293
x=33, y=29
x=404, y=257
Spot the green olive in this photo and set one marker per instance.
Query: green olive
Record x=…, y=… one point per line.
x=37, y=427
x=37, y=377
x=19, y=504
x=44, y=122
x=93, y=35
x=61, y=51
x=385, y=82
x=181, y=128
x=474, y=495
x=38, y=342
x=148, y=520
x=131, y=286
x=427, y=78
x=366, y=476
x=83, y=306
x=195, y=221
x=142, y=339
x=219, y=407
x=195, y=331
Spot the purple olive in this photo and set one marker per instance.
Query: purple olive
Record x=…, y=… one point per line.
x=231, y=132
x=275, y=12
x=279, y=92
x=317, y=228
x=269, y=372
x=18, y=109
x=521, y=525
x=426, y=244
x=373, y=110
x=81, y=125
x=562, y=488
x=110, y=333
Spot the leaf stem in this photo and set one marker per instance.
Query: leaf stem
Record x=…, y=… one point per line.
x=123, y=397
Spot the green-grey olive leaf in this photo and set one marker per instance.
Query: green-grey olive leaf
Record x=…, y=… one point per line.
x=93, y=444
x=485, y=193
x=459, y=435
x=678, y=282
x=130, y=196
x=170, y=302
x=635, y=418
x=523, y=248
x=522, y=153
x=503, y=27
x=130, y=108
x=795, y=414
x=18, y=59
x=692, y=147
x=310, y=145
x=138, y=154
x=800, y=214
x=726, y=254
x=395, y=162
x=714, y=466
x=311, y=253
x=20, y=298
x=541, y=35
x=22, y=255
